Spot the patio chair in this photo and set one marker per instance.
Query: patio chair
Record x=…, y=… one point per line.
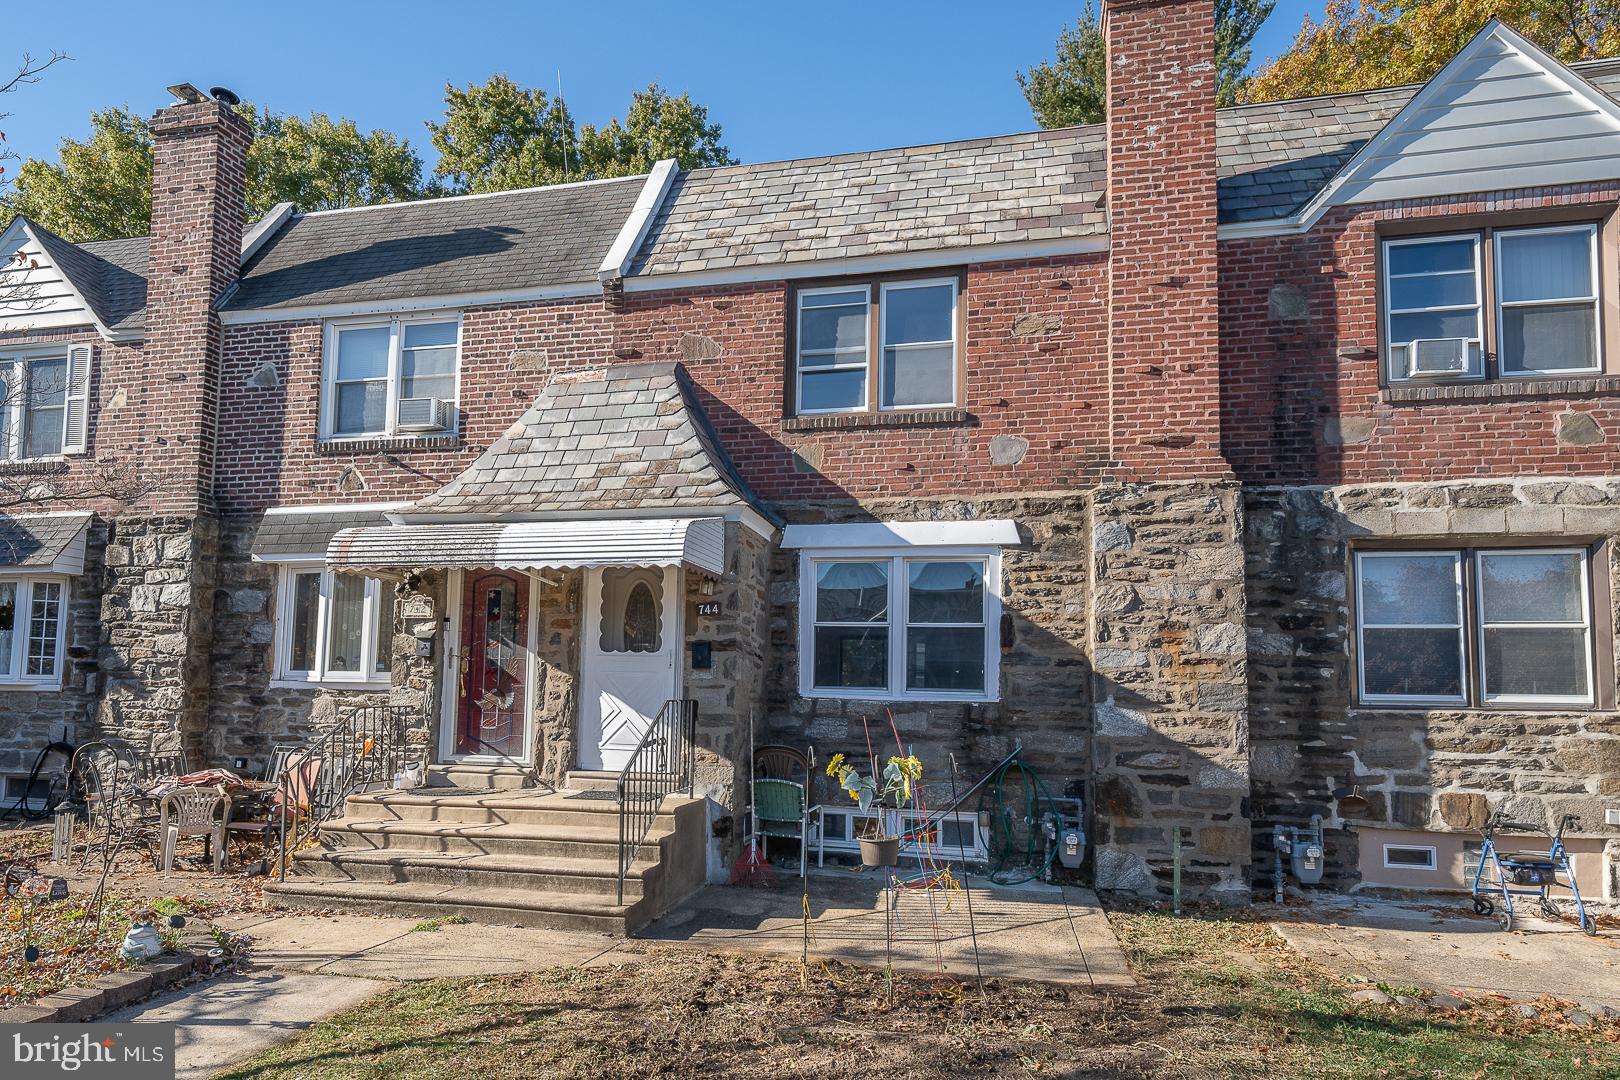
x=195, y=811
x=277, y=761
x=781, y=809
x=163, y=756
x=297, y=772
x=106, y=778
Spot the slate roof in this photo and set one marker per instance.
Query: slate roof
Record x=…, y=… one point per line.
x=109, y=274
x=1040, y=185
x=630, y=437
x=433, y=247
x=37, y=540
x=307, y=533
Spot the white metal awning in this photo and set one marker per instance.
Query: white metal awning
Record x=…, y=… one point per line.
x=697, y=543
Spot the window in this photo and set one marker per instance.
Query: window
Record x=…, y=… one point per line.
x=1474, y=627
x=894, y=627
x=44, y=402
x=876, y=346
x=1408, y=857
x=33, y=625
x=1535, y=314
x=390, y=377
x=333, y=628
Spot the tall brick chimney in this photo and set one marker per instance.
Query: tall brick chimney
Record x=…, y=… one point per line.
x=1167, y=640
x=1164, y=384
x=199, y=185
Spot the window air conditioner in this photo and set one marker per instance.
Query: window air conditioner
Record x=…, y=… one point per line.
x=1429, y=357
x=424, y=414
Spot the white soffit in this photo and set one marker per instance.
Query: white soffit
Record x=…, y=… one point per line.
x=697, y=543
x=1000, y=532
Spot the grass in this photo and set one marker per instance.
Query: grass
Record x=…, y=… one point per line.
x=1221, y=996
x=431, y=926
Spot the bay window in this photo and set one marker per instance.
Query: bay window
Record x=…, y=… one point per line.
x=1535, y=313
x=390, y=377
x=33, y=627
x=1475, y=627
x=876, y=346
x=333, y=628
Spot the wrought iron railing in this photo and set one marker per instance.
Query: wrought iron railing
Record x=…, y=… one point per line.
x=367, y=747
x=662, y=764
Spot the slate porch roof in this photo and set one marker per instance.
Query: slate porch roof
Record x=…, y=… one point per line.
x=627, y=438
x=36, y=541
x=308, y=532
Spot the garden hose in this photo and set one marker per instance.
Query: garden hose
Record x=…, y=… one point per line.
x=1003, y=837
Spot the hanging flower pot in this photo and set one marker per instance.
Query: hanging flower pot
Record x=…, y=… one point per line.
x=880, y=850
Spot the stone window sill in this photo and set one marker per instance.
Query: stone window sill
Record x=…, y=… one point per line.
x=392, y=444
x=898, y=418
x=1356, y=711
x=1503, y=390
x=39, y=467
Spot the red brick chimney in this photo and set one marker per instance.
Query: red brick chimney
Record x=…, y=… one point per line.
x=1164, y=381
x=199, y=178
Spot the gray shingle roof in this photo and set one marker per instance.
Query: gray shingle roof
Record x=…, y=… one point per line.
x=36, y=540
x=629, y=437
x=1036, y=186
x=109, y=274
x=307, y=533
x=435, y=247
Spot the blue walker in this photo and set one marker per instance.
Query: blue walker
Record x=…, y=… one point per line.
x=1526, y=873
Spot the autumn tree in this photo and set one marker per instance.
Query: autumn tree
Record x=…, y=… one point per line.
x=1072, y=87
x=1363, y=44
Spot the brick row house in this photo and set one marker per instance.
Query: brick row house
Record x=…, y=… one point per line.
x=1228, y=462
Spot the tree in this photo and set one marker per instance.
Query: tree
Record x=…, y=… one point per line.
x=100, y=188
x=16, y=293
x=1363, y=44
x=1072, y=87
x=498, y=135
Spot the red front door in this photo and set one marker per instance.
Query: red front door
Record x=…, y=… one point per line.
x=493, y=666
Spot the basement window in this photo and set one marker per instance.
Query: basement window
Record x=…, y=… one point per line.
x=1409, y=857
x=876, y=346
x=333, y=628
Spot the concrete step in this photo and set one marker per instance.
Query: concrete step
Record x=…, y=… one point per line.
x=549, y=808
x=486, y=838
x=594, y=877
x=492, y=907
x=591, y=780
x=487, y=777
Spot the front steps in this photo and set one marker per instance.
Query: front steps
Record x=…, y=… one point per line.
x=500, y=855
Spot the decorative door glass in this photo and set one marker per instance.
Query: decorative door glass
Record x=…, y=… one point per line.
x=493, y=666
x=632, y=610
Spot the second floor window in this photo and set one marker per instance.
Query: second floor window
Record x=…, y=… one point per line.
x=876, y=346
x=390, y=377
x=1495, y=303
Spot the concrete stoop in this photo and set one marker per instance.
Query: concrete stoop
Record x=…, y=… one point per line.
x=505, y=856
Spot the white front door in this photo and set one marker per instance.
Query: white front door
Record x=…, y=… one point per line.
x=631, y=659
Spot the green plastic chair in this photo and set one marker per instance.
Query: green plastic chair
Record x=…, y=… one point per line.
x=781, y=810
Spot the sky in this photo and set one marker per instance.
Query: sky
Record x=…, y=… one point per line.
x=782, y=79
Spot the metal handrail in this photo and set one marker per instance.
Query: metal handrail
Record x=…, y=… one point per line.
x=367, y=747
x=662, y=763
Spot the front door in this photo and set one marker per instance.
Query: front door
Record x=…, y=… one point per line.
x=492, y=667
x=630, y=655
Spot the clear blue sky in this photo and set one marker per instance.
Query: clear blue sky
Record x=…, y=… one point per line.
x=783, y=79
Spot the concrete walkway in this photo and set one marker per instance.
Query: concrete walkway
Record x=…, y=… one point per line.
x=1031, y=931
x=230, y=1019
x=1443, y=946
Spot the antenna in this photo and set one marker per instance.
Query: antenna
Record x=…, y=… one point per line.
x=562, y=122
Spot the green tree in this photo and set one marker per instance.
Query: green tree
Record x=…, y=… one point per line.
x=100, y=188
x=1363, y=44
x=1071, y=88
x=498, y=135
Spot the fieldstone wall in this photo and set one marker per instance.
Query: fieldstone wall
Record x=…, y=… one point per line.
x=1420, y=769
x=556, y=690
x=1045, y=691
x=1168, y=651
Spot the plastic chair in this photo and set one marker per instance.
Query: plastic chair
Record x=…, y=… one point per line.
x=199, y=811
x=782, y=810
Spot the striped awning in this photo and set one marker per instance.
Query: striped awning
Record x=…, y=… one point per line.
x=696, y=543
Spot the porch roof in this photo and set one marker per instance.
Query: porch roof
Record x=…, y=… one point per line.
x=695, y=543
x=47, y=543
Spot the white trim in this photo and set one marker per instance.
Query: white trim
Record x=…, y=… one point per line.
x=865, y=364
x=1001, y=532
x=410, y=304
x=1585, y=626
x=884, y=344
x=1460, y=627
x=592, y=660
x=625, y=245
x=898, y=623
x=265, y=228
x=872, y=264
x=1434, y=857
x=393, y=378
x=23, y=602
x=1595, y=299
x=282, y=676
x=334, y=508
x=1476, y=370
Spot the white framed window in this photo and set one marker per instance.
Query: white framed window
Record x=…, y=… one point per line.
x=1410, y=857
x=1475, y=627
x=883, y=345
x=881, y=626
x=390, y=376
x=332, y=628
x=33, y=631
x=1541, y=299
x=956, y=835
x=44, y=403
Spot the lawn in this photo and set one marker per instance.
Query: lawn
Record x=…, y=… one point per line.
x=1221, y=997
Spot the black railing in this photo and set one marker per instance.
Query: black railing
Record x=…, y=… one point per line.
x=366, y=748
x=663, y=763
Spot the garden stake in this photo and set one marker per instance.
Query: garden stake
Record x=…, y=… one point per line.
x=967, y=893
x=804, y=957
x=1175, y=870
